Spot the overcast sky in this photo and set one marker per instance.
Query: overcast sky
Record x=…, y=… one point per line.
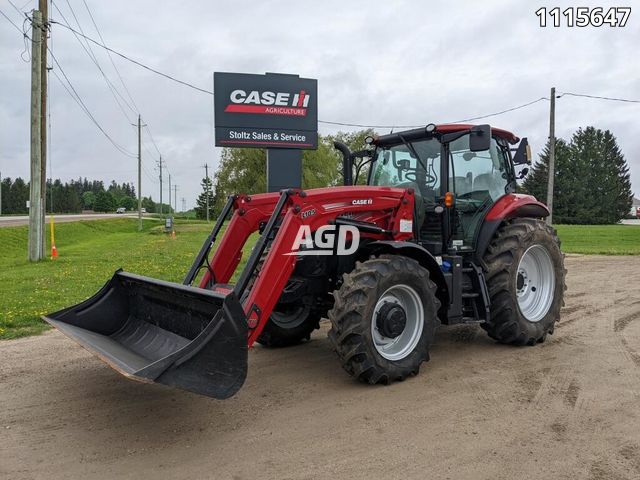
x=399, y=63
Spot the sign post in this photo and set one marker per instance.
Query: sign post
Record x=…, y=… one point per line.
x=278, y=112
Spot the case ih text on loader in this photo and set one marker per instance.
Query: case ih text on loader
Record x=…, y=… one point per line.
x=443, y=238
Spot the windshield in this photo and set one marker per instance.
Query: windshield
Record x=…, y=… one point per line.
x=396, y=166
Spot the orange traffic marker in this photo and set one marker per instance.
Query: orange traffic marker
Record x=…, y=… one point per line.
x=54, y=250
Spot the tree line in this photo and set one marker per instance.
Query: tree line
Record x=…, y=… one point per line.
x=75, y=196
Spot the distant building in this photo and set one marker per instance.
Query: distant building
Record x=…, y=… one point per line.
x=635, y=206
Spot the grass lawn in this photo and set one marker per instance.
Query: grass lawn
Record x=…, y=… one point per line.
x=89, y=253
x=600, y=239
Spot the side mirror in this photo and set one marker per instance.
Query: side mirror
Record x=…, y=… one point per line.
x=523, y=173
x=523, y=153
x=480, y=138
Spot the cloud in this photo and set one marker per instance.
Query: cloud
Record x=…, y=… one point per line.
x=405, y=63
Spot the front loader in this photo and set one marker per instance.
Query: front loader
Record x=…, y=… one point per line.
x=427, y=242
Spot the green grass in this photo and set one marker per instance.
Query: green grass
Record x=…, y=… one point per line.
x=89, y=253
x=600, y=239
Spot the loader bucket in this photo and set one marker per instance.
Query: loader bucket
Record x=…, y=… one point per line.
x=155, y=331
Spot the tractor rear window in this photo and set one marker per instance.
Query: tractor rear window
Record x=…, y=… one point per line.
x=477, y=174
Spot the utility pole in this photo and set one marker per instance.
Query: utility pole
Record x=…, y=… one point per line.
x=552, y=154
x=169, y=194
x=140, y=125
x=184, y=204
x=43, y=6
x=206, y=171
x=36, y=218
x=175, y=198
x=160, y=165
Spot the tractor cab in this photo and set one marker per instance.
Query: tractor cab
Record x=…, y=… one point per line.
x=457, y=172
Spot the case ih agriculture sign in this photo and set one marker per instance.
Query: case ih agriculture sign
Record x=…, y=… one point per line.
x=265, y=111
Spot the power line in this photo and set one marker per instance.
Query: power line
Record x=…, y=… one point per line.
x=153, y=140
x=110, y=83
x=83, y=106
x=114, y=92
x=598, y=97
x=417, y=126
x=187, y=84
x=501, y=112
x=110, y=57
x=19, y=10
x=12, y=23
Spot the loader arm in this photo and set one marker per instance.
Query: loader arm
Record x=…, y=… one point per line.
x=280, y=216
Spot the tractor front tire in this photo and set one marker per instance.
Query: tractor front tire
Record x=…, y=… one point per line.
x=524, y=270
x=384, y=319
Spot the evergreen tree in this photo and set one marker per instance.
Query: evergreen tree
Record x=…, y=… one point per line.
x=104, y=202
x=592, y=180
x=201, y=202
x=88, y=199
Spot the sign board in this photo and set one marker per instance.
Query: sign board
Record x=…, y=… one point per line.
x=265, y=111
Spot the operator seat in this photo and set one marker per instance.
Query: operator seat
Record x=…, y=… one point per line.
x=487, y=182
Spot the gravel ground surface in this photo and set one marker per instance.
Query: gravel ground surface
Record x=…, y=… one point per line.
x=568, y=408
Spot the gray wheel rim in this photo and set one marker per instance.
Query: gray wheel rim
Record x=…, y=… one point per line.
x=401, y=346
x=535, y=283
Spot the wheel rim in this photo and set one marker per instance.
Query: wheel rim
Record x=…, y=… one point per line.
x=535, y=283
x=401, y=346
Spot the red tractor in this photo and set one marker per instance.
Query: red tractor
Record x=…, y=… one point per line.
x=437, y=236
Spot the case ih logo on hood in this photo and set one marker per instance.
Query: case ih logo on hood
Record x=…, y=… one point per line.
x=269, y=103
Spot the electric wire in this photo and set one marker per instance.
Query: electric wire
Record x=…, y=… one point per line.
x=597, y=97
x=94, y=59
x=13, y=23
x=110, y=83
x=155, y=145
x=327, y=122
x=84, y=107
x=165, y=75
x=124, y=85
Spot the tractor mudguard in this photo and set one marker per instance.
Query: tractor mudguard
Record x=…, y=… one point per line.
x=155, y=331
x=418, y=253
x=511, y=205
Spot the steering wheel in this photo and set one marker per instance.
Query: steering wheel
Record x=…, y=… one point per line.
x=412, y=176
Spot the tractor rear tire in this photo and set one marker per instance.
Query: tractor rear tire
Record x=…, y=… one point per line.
x=384, y=319
x=524, y=270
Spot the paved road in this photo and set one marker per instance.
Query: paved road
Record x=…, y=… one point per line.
x=14, y=221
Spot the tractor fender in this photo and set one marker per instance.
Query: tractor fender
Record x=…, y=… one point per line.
x=512, y=205
x=418, y=253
